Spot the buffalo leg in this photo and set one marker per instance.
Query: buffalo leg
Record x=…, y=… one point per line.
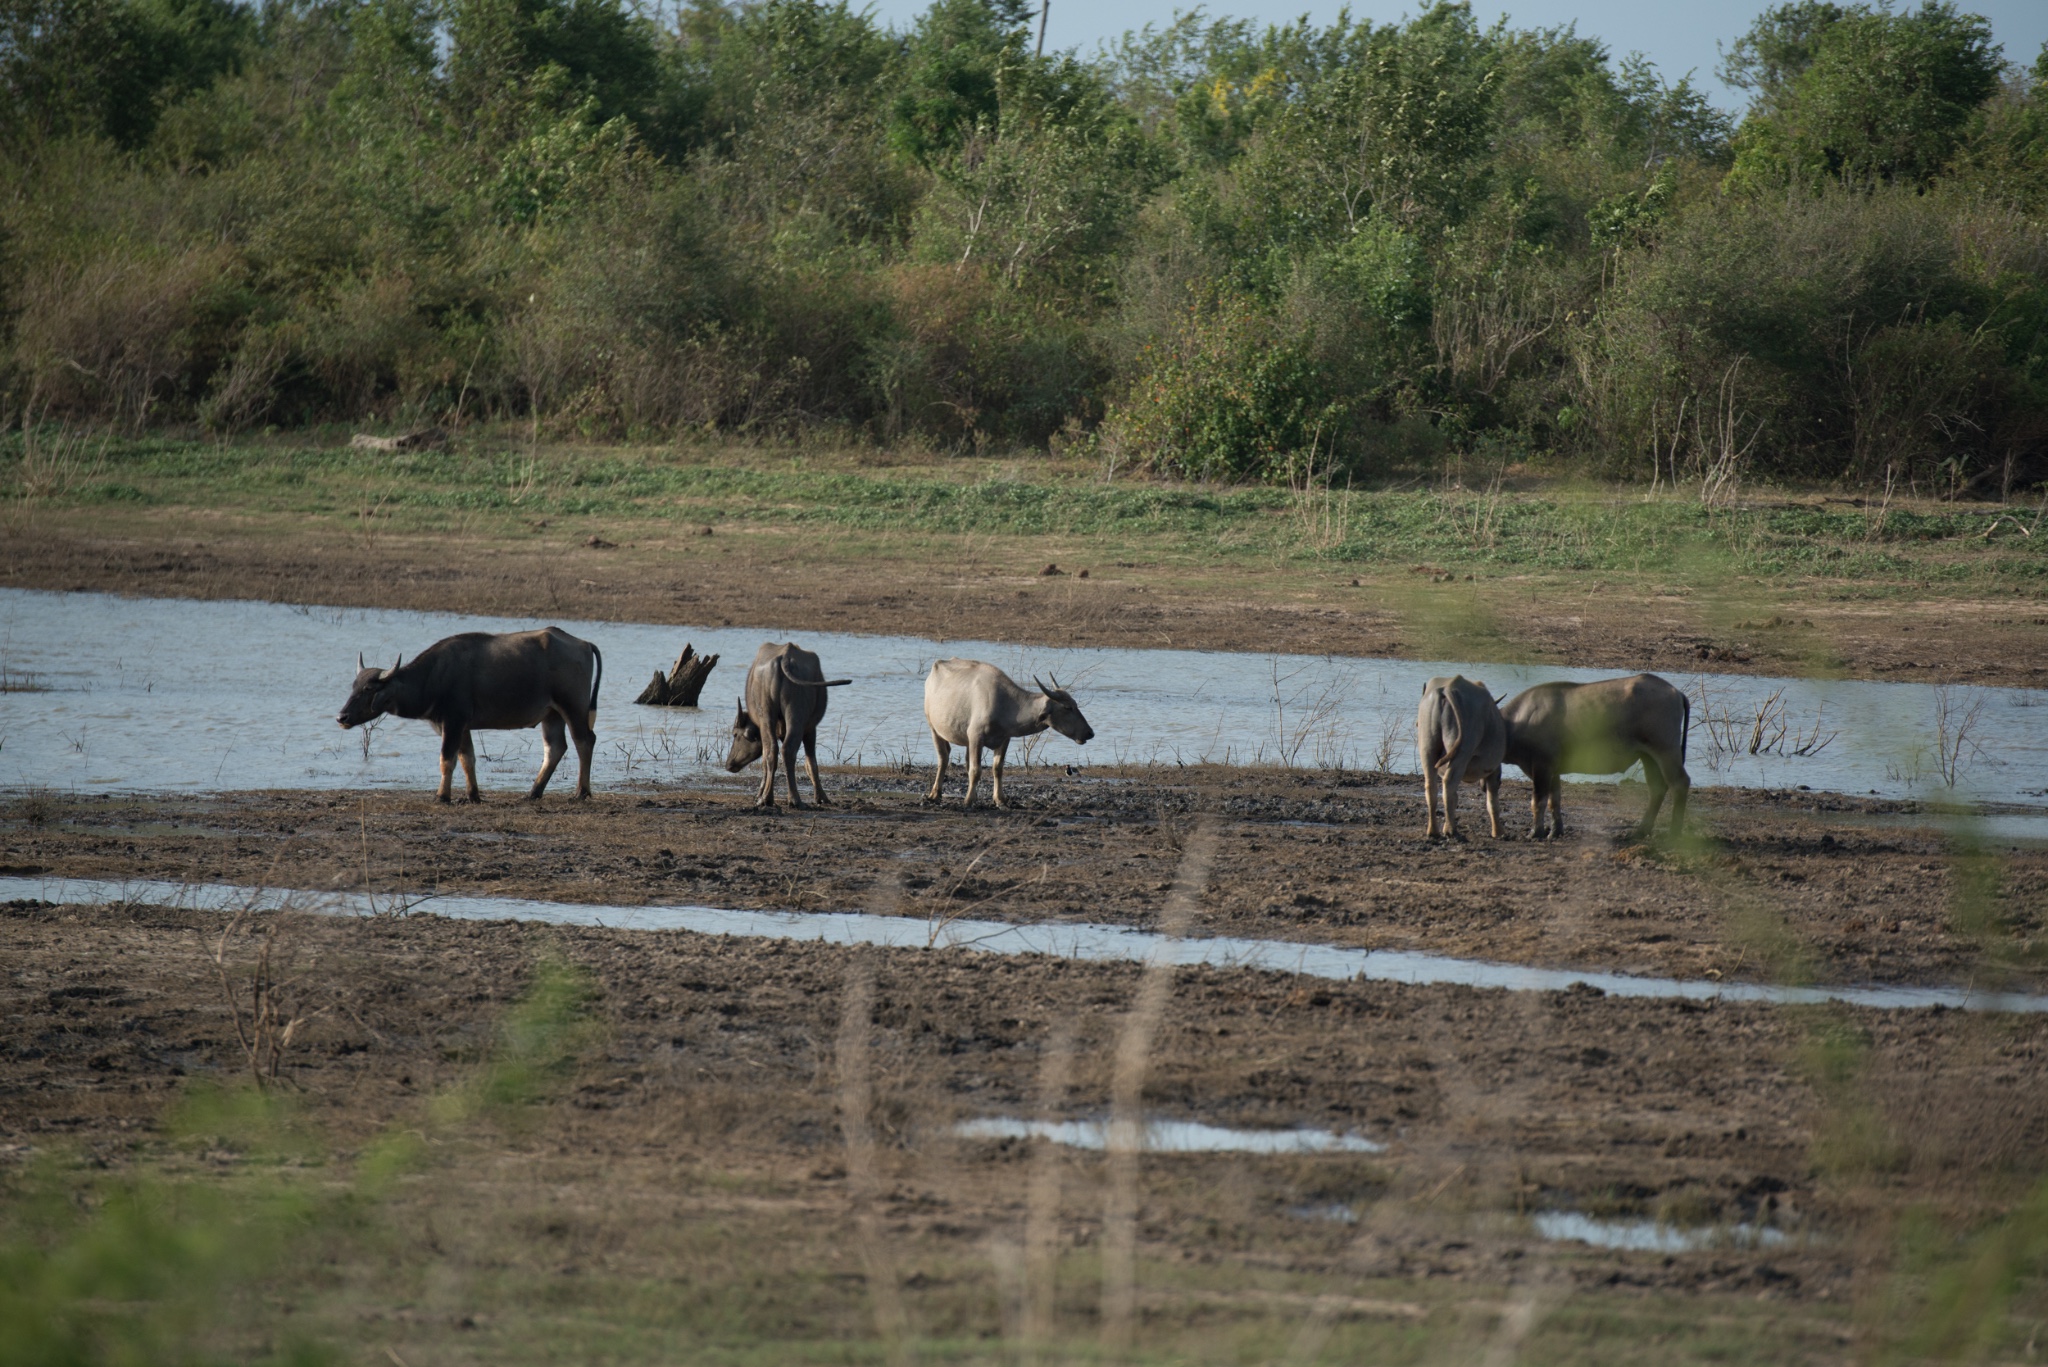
x=1555, y=782
x=973, y=749
x=1671, y=773
x=1539, y=789
x=1492, y=785
x=1429, y=795
x=790, y=745
x=811, y=762
x=1453, y=776
x=585, y=736
x=1653, y=775
x=945, y=758
x=771, y=755
x=469, y=765
x=452, y=737
x=554, y=745
x=998, y=753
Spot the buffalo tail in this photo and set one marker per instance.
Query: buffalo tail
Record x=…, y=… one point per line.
x=596, y=680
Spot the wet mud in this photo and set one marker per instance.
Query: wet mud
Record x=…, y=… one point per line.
x=718, y=1055
x=1782, y=887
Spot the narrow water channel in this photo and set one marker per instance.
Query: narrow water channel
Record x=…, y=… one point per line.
x=1100, y=943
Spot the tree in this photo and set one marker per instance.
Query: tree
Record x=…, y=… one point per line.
x=1864, y=96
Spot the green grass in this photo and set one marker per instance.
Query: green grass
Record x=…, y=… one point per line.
x=489, y=486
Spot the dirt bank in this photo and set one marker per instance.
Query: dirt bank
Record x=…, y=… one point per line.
x=786, y=582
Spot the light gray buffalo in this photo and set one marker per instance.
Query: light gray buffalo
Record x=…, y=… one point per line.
x=975, y=705
x=1601, y=728
x=1459, y=738
x=785, y=701
x=480, y=682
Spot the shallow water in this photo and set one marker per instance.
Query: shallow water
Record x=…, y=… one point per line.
x=1099, y=943
x=1630, y=1235
x=178, y=695
x=1649, y=1236
x=1167, y=1136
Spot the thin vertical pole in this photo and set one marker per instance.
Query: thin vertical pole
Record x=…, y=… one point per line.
x=1044, y=8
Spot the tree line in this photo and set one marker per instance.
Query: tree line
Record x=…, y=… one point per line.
x=1215, y=249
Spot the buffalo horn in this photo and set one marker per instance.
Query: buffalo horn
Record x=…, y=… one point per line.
x=360, y=662
x=1041, y=684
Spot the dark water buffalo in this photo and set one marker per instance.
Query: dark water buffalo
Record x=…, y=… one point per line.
x=1601, y=728
x=975, y=705
x=480, y=682
x=1459, y=738
x=785, y=700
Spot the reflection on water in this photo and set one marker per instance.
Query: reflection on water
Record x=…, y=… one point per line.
x=1649, y=1236
x=1165, y=1136
x=1077, y=941
x=172, y=694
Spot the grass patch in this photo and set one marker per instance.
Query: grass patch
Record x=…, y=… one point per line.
x=496, y=488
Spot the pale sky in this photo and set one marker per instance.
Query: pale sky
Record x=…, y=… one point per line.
x=1676, y=35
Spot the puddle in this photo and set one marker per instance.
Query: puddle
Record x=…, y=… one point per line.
x=2016, y=827
x=1083, y=941
x=179, y=695
x=1167, y=1136
x=1649, y=1236
x=1332, y=1212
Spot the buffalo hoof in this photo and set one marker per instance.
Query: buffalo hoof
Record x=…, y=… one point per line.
x=442, y=797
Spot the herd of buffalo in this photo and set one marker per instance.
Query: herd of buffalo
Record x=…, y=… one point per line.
x=1463, y=734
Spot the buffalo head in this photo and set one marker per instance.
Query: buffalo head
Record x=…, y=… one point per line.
x=367, y=698
x=1063, y=714
x=746, y=741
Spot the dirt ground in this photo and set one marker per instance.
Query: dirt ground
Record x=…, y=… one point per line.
x=786, y=582
x=699, y=1134
x=1787, y=885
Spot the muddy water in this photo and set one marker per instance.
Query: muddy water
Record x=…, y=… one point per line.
x=179, y=695
x=1068, y=940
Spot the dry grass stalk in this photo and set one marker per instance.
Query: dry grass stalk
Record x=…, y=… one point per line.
x=1955, y=733
x=856, y=1110
x=1127, y=1086
x=268, y=1004
x=1042, y=1201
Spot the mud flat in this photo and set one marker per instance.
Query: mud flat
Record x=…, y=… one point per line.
x=696, y=1138
x=1795, y=887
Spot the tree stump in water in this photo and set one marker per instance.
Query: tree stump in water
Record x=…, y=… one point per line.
x=683, y=682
